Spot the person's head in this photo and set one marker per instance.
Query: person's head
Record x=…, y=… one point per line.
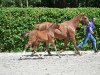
x=93, y=19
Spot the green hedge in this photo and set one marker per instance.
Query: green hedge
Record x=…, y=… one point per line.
x=14, y=21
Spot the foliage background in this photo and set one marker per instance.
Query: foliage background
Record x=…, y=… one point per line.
x=50, y=3
x=14, y=21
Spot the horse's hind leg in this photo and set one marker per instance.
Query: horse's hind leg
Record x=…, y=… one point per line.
x=72, y=36
x=65, y=44
x=34, y=48
x=47, y=49
x=55, y=48
x=26, y=46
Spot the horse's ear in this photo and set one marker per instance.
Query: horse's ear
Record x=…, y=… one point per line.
x=82, y=14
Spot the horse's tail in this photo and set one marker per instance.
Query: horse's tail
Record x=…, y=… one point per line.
x=24, y=34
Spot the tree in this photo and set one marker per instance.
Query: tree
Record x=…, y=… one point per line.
x=27, y=3
x=50, y=3
x=54, y=3
x=21, y=3
x=74, y=3
x=60, y=3
x=7, y=3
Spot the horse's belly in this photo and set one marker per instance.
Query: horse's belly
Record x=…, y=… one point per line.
x=42, y=36
x=60, y=34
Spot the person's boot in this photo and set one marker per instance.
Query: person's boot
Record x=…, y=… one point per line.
x=95, y=51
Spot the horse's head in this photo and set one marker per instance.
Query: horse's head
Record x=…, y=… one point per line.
x=84, y=18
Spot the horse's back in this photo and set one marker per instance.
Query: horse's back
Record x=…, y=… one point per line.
x=43, y=26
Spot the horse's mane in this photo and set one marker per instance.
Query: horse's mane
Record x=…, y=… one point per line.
x=77, y=17
x=75, y=20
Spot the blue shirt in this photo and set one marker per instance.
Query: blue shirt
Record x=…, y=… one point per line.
x=92, y=24
x=87, y=30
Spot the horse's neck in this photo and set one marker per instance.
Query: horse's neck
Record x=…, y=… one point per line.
x=75, y=21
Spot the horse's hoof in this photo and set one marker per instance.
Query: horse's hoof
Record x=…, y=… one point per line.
x=50, y=54
x=33, y=53
x=61, y=51
x=78, y=53
x=20, y=58
x=59, y=56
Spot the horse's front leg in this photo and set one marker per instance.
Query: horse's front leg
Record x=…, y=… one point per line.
x=72, y=37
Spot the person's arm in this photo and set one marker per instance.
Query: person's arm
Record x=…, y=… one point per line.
x=92, y=25
x=91, y=31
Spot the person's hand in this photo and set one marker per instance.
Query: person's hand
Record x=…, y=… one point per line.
x=92, y=32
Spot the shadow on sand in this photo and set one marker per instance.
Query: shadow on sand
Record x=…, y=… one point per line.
x=35, y=57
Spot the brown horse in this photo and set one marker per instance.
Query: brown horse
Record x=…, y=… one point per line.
x=47, y=36
x=66, y=30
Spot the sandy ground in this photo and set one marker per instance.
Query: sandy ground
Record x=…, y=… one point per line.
x=68, y=64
